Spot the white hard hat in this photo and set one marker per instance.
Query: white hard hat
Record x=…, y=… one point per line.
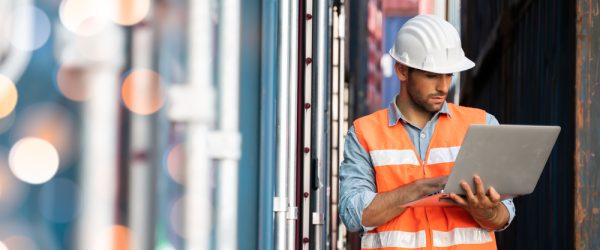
x=430, y=43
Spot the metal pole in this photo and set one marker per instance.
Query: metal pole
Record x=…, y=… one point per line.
x=454, y=19
x=267, y=131
x=99, y=157
x=280, y=201
x=197, y=208
x=321, y=81
x=292, y=210
x=141, y=137
x=229, y=80
x=343, y=123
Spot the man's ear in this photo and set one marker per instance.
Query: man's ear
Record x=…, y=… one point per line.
x=401, y=71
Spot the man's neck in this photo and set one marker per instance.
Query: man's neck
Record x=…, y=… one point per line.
x=413, y=113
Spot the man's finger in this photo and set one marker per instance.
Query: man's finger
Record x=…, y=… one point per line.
x=494, y=196
x=470, y=196
x=479, y=189
x=459, y=200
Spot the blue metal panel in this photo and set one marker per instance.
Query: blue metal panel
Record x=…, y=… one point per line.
x=268, y=90
x=249, y=125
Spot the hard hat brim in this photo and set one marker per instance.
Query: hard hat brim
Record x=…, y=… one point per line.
x=462, y=65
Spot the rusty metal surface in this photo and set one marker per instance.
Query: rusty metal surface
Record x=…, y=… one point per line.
x=525, y=51
x=587, y=173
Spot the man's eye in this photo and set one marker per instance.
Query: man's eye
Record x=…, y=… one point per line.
x=431, y=76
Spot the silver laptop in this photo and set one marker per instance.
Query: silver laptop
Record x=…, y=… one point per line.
x=509, y=158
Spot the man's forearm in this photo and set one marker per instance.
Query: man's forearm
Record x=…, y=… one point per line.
x=385, y=206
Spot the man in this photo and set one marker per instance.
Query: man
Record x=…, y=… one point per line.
x=402, y=153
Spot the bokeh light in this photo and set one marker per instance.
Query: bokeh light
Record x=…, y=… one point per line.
x=50, y=122
x=176, y=217
x=102, y=46
x=7, y=122
x=29, y=18
x=58, y=200
x=131, y=12
x=175, y=160
x=8, y=96
x=2, y=246
x=120, y=237
x=81, y=17
x=142, y=92
x=13, y=192
x=18, y=242
x=33, y=160
x=71, y=82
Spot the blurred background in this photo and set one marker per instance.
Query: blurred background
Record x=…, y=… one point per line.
x=219, y=124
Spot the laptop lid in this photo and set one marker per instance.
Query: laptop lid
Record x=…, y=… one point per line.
x=510, y=158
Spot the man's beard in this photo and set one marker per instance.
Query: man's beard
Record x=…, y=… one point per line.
x=421, y=104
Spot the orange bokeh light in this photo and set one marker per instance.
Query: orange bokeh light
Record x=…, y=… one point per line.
x=142, y=92
x=175, y=160
x=71, y=83
x=132, y=12
x=8, y=96
x=120, y=237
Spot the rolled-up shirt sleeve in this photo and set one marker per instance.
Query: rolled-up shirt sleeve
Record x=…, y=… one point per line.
x=508, y=203
x=357, y=183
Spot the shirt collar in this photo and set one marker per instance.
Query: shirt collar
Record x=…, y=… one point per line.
x=394, y=114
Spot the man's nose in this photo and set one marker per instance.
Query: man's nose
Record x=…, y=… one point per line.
x=444, y=84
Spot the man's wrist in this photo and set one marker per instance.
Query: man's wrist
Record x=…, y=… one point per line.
x=495, y=221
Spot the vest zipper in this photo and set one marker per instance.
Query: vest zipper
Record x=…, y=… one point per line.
x=428, y=232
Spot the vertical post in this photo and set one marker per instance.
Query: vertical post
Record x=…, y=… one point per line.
x=267, y=131
x=292, y=98
x=321, y=121
x=283, y=136
x=140, y=165
x=228, y=123
x=453, y=11
x=308, y=111
x=197, y=208
x=587, y=125
x=99, y=157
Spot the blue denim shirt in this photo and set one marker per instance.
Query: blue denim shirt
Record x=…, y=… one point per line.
x=357, y=176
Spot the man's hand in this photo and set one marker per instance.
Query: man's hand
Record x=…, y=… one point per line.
x=485, y=208
x=430, y=185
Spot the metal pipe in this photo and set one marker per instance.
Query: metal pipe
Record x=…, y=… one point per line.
x=280, y=201
x=229, y=80
x=292, y=209
x=141, y=137
x=197, y=209
x=454, y=19
x=267, y=132
x=98, y=172
x=321, y=81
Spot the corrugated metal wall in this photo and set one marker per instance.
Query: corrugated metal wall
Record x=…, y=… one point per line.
x=525, y=74
x=587, y=214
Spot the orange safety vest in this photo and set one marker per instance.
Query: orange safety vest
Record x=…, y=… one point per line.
x=397, y=163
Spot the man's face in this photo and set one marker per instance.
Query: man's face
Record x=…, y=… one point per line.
x=428, y=90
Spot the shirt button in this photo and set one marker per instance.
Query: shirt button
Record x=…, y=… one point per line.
x=422, y=135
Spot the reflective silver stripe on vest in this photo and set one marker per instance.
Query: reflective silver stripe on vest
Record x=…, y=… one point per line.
x=442, y=155
x=394, y=239
x=393, y=157
x=459, y=236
